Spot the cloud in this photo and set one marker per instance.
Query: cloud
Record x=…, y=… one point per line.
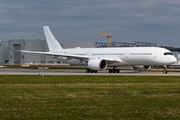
x=6, y=21
x=126, y=20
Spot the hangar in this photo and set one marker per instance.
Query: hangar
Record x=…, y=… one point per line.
x=4, y=52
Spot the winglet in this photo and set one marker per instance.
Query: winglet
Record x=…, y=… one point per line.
x=53, y=44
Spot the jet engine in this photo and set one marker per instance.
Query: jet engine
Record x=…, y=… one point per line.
x=97, y=64
x=142, y=67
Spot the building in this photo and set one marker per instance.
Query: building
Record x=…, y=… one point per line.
x=4, y=52
x=177, y=55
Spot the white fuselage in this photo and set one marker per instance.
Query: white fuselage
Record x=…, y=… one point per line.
x=127, y=56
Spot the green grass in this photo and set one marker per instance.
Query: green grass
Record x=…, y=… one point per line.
x=90, y=97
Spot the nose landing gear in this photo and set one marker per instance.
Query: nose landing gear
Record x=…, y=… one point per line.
x=165, y=69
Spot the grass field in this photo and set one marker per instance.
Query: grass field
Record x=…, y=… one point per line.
x=90, y=97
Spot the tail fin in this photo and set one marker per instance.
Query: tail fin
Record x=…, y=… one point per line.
x=53, y=44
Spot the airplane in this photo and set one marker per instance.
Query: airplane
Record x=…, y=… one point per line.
x=141, y=58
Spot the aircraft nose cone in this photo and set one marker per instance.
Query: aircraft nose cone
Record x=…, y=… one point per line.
x=173, y=60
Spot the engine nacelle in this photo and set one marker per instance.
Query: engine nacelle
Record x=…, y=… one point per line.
x=142, y=67
x=97, y=64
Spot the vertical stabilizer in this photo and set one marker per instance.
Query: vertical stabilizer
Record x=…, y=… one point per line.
x=53, y=44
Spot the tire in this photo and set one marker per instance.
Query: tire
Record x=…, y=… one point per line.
x=91, y=71
x=165, y=72
x=114, y=70
x=110, y=71
x=117, y=70
x=87, y=70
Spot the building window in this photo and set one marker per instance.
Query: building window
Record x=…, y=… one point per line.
x=59, y=62
x=43, y=62
x=51, y=62
x=6, y=61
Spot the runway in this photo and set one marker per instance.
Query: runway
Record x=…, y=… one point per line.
x=25, y=71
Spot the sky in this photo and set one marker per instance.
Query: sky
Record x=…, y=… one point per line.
x=153, y=21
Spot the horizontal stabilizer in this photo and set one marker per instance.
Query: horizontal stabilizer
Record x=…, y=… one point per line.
x=10, y=48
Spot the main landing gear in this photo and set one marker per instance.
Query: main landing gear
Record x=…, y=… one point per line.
x=114, y=70
x=110, y=70
x=91, y=71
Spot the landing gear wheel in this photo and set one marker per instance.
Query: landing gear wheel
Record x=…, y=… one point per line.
x=165, y=72
x=87, y=70
x=91, y=71
x=114, y=70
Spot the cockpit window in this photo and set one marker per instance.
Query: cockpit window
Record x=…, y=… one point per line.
x=168, y=53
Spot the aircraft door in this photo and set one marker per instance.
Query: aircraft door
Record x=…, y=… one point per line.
x=127, y=54
x=155, y=54
x=89, y=53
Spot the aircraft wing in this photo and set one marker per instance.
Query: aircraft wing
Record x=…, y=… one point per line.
x=70, y=56
x=56, y=54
